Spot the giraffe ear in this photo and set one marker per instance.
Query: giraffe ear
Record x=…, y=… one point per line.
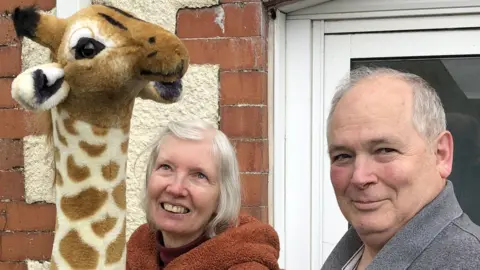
x=162, y=92
x=40, y=88
x=45, y=29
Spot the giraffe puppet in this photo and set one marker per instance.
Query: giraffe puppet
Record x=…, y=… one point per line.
x=102, y=59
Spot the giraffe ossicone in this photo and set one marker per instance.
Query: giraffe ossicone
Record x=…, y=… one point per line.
x=102, y=59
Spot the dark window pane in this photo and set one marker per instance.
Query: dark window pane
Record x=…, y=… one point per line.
x=457, y=81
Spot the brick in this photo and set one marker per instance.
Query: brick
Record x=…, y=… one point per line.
x=201, y=23
x=13, y=124
x=30, y=217
x=255, y=189
x=229, y=53
x=20, y=246
x=229, y=20
x=10, y=57
x=7, y=32
x=11, y=153
x=13, y=266
x=6, y=100
x=12, y=186
x=10, y=5
x=244, y=121
x=243, y=20
x=252, y=156
x=260, y=212
x=3, y=217
x=243, y=88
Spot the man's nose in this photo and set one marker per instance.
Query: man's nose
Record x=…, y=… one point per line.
x=177, y=187
x=363, y=174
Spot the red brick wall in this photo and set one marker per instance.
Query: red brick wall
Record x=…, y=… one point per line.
x=240, y=48
x=26, y=230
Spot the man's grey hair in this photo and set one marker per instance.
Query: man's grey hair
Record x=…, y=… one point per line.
x=229, y=203
x=428, y=112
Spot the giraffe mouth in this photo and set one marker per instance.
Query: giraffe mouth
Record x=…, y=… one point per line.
x=169, y=91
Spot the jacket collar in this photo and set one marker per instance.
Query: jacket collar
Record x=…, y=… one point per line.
x=400, y=250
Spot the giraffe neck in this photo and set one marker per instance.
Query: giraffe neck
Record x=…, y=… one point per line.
x=90, y=194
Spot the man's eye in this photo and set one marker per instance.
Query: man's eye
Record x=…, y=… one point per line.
x=385, y=150
x=340, y=157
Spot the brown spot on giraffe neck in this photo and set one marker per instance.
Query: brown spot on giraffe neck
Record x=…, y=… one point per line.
x=83, y=205
x=124, y=147
x=92, y=150
x=69, y=124
x=102, y=227
x=110, y=171
x=58, y=178
x=115, y=249
x=119, y=195
x=126, y=128
x=75, y=172
x=61, y=138
x=77, y=253
x=99, y=131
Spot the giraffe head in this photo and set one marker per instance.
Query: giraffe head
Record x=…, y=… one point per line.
x=103, y=58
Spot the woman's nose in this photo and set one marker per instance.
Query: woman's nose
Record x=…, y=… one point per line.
x=177, y=186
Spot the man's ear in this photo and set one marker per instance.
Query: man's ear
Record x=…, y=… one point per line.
x=161, y=93
x=444, y=153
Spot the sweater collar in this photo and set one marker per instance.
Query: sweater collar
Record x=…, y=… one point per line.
x=166, y=255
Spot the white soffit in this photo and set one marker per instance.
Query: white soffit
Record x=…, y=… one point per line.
x=300, y=5
x=354, y=6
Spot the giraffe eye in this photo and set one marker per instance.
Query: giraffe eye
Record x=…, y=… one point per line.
x=87, y=48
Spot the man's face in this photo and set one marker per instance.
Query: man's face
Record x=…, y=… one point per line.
x=382, y=170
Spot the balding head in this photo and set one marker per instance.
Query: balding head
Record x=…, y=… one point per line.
x=426, y=109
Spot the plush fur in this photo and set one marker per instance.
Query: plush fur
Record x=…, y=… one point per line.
x=102, y=59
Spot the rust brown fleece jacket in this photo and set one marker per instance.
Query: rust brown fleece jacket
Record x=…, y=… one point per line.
x=252, y=245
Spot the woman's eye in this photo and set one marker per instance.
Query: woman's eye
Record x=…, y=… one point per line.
x=201, y=175
x=164, y=167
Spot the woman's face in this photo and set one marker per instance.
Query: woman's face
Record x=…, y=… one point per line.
x=183, y=189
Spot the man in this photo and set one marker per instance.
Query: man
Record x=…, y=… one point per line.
x=390, y=158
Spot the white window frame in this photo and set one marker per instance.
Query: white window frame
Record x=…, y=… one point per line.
x=66, y=8
x=300, y=103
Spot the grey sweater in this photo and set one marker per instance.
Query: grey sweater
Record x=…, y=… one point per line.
x=440, y=236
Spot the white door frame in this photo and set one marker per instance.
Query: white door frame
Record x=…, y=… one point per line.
x=303, y=214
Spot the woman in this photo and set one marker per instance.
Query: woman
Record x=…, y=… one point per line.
x=193, y=204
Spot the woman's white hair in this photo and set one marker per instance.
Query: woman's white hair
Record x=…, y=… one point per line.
x=229, y=202
x=428, y=113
